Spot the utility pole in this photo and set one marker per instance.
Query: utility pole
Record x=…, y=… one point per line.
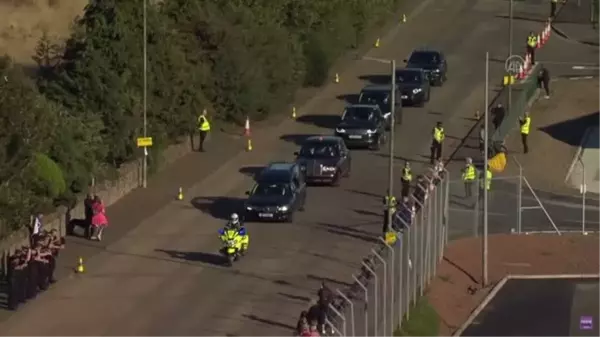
x=392, y=127
x=145, y=160
x=510, y=53
x=484, y=249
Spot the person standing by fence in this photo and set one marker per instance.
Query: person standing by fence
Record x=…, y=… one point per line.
x=468, y=177
x=525, y=123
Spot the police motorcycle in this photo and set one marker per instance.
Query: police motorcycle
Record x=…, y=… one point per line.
x=235, y=240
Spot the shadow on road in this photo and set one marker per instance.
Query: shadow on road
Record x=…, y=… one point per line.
x=364, y=212
x=376, y=79
x=461, y=269
x=296, y=139
x=346, y=228
x=295, y=297
x=366, y=194
x=322, y=121
x=251, y=171
x=327, y=280
x=570, y=131
x=218, y=207
x=349, y=98
x=269, y=322
x=208, y=258
x=522, y=18
x=404, y=159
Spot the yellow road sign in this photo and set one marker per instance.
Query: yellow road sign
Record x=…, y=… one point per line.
x=144, y=141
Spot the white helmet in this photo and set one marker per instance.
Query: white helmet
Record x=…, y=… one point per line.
x=234, y=218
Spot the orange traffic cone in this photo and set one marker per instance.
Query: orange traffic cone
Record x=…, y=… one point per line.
x=247, y=127
x=521, y=74
x=539, y=42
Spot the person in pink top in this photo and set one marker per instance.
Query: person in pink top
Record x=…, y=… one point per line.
x=99, y=219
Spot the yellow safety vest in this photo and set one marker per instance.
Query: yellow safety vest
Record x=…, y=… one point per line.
x=469, y=174
x=438, y=134
x=390, y=202
x=525, y=126
x=488, y=183
x=406, y=174
x=531, y=41
x=203, y=123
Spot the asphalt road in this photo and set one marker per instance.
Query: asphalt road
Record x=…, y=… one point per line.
x=163, y=277
x=539, y=308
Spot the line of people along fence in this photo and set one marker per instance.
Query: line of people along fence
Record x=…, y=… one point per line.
x=393, y=277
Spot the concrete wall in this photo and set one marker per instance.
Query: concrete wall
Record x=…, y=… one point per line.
x=130, y=178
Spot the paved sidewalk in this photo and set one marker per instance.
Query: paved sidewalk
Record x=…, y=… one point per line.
x=584, y=170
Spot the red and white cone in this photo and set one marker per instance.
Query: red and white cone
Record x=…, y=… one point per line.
x=247, y=127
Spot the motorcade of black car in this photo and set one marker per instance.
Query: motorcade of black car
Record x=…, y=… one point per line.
x=381, y=96
x=362, y=125
x=324, y=159
x=432, y=61
x=279, y=192
x=414, y=87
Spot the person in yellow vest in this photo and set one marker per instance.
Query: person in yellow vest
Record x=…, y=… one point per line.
x=531, y=45
x=406, y=179
x=390, y=203
x=525, y=123
x=469, y=174
x=436, y=143
x=485, y=182
x=203, y=128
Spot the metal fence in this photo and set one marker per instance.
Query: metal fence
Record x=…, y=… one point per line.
x=393, y=277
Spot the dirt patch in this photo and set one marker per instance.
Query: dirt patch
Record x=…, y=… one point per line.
x=457, y=291
x=23, y=22
x=557, y=125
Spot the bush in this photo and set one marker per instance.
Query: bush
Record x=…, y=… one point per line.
x=238, y=58
x=424, y=321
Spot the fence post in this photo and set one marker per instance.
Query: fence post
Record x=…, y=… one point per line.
x=413, y=230
x=384, y=291
x=351, y=311
x=328, y=322
x=519, y=200
x=400, y=280
x=339, y=314
x=441, y=223
x=392, y=277
x=420, y=227
x=476, y=219
x=364, y=288
x=409, y=267
x=375, y=320
x=446, y=206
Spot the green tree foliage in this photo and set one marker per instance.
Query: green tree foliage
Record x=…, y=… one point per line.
x=237, y=58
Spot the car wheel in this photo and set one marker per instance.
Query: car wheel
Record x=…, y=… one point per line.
x=336, y=179
x=347, y=173
x=428, y=95
x=421, y=103
x=290, y=217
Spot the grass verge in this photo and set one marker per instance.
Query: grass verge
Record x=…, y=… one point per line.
x=424, y=321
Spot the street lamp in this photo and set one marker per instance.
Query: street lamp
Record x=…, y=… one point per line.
x=145, y=160
x=392, y=127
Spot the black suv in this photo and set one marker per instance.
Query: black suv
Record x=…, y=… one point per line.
x=414, y=86
x=432, y=61
x=280, y=190
x=381, y=95
x=362, y=125
x=324, y=159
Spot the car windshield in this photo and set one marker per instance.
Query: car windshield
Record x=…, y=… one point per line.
x=373, y=97
x=427, y=58
x=408, y=77
x=271, y=190
x=319, y=150
x=360, y=114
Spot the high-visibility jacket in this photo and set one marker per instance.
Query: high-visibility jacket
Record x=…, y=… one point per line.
x=406, y=174
x=488, y=183
x=203, y=124
x=469, y=173
x=438, y=134
x=532, y=41
x=525, y=125
x=390, y=203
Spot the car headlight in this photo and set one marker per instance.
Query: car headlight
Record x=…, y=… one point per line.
x=248, y=208
x=328, y=168
x=370, y=132
x=436, y=70
x=417, y=90
x=338, y=130
x=282, y=208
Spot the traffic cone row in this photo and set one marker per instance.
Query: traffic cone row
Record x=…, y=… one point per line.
x=542, y=39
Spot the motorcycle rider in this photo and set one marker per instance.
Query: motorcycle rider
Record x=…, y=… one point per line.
x=235, y=224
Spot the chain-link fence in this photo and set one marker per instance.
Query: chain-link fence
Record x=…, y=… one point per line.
x=393, y=276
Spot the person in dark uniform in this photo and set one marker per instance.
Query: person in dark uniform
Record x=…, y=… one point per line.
x=544, y=81
x=56, y=245
x=13, y=274
x=32, y=273
x=498, y=114
x=88, y=205
x=44, y=262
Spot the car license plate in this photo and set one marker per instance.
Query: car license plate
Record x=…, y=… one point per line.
x=404, y=96
x=265, y=215
x=355, y=136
